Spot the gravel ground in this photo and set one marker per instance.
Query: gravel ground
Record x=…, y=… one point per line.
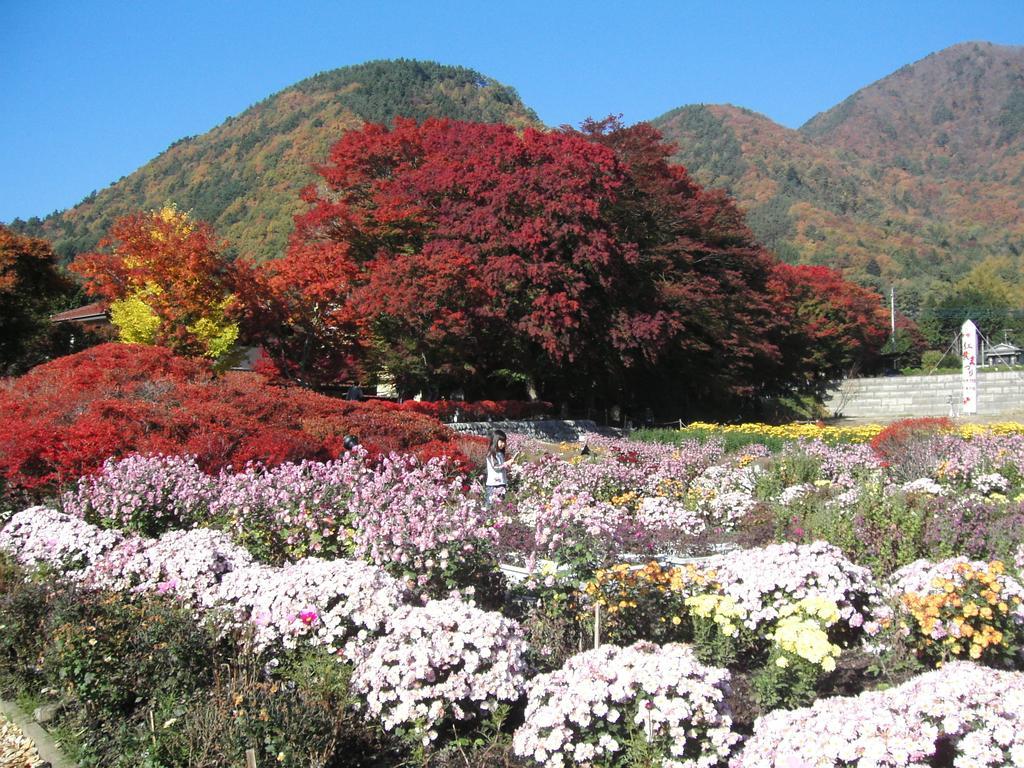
x=16, y=749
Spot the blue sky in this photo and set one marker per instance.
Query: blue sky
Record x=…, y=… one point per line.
x=93, y=90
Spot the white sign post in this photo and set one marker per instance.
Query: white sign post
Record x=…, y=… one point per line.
x=969, y=371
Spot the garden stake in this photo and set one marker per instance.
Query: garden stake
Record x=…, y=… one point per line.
x=597, y=625
x=250, y=758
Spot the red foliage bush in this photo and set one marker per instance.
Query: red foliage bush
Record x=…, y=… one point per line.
x=892, y=442
x=474, y=448
x=63, y=419
x=276, y=446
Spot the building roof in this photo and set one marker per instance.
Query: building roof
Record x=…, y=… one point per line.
x=247, y=362
x=95, y=311
x=1002, y=348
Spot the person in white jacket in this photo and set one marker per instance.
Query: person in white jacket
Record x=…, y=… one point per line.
x=496, y=481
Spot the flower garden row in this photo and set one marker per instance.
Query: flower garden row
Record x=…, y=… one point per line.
x=420, y=664
x=861, y=433
x=390, y=564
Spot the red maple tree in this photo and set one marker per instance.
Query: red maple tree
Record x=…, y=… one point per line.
x=578, y=263
x=833, y=326
x=31, y=287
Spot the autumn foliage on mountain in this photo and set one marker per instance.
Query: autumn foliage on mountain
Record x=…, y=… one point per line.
x=577, y=263
x=913, y=181
x=64, y=418
x=242, y=175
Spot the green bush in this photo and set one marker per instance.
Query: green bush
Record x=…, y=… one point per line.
x=731, y=441
x=24, y=606
x=881, y=531
x=302, y=717
x=112, y=652
x=788, y=687
x=933, y=361
x=553, y=629
x=933, y=358
x=784, y=470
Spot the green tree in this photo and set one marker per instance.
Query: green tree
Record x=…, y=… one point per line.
x=991, y=295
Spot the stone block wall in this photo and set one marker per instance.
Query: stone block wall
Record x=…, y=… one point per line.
x=542, y=429
x=999, y=392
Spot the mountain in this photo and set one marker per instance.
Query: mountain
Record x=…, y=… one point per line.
x=910, y=181
x=958, y=113
x=244, y=176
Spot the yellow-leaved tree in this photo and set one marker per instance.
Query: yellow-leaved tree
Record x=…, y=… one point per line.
x=168, y=282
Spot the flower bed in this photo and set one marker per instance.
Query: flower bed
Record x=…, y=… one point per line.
x=762, y=581
x=446, y=661
x=609, y=705
x=324, y=602
x=961, y=714
x=833, y=434
x=290, y=511
x=959, y=608
x=188, y=564
x=416, y=521
x=837, y=561
x=145, y=494
x=63, y=542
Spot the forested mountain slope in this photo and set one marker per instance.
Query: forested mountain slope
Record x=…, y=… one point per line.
x=244, y=176
x=911, y=181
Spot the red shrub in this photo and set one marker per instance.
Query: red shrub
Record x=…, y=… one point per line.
x=63, y=419
x=438, y=409
x=388, y=430
x=266, y=368
x=892, y=442
x=474, y=448
x=276, y=446
x=438, y=448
